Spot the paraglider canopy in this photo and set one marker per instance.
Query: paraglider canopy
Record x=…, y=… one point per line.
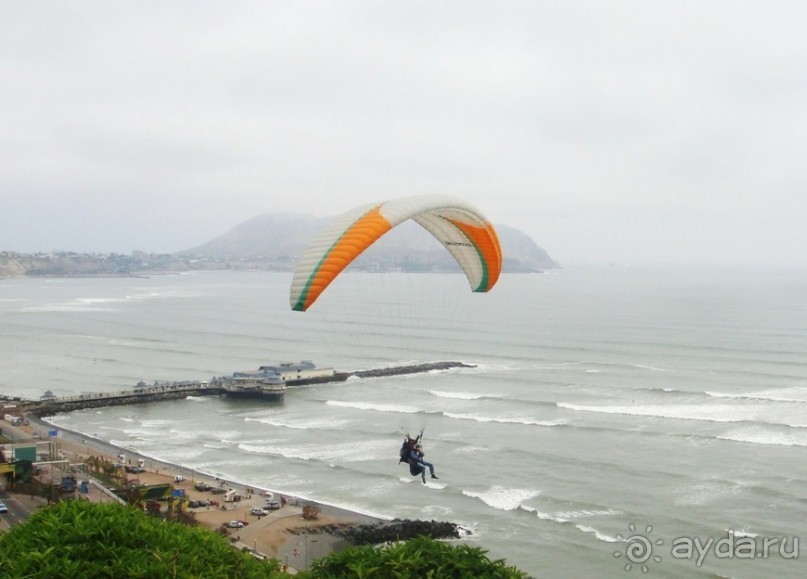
x=460, y=227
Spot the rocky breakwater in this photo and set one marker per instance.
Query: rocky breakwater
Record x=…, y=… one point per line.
x=381, y=372
x=388, y=531
x=410, y=369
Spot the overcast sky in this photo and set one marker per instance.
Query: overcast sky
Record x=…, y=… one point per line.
x=610, y=132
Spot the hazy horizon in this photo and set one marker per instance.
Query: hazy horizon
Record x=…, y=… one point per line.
x=627, y=133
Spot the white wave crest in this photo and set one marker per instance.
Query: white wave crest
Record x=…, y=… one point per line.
x=338, y=452
x=546, y=516
x=374, y=406
x=460, y=395
x=435, y=486
x=527, y=421
x=794, y=394
x=765, y=436
x=705, y=412
x=502, y=498
x=301, y=424
x=600, y=536
x=569, y=516
x=585, y=513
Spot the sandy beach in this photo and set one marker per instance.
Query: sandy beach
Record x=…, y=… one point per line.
x=283, y=534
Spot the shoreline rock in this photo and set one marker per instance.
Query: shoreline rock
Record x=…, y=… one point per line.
x=388, y=531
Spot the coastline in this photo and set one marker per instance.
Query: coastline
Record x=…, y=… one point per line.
x=284, y=534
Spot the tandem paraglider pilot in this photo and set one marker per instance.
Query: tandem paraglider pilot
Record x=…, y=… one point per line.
x=417, y=458
x=412, y=454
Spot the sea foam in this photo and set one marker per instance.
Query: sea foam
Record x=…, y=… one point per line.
x=705, y=412
x=764, y=436
x=527, y=421
x=793, y=394
x=501, y=498
x=460, y=395
x=338, y=452
x=373, y=406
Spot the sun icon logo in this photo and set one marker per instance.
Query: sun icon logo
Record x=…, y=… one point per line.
x=639, y=549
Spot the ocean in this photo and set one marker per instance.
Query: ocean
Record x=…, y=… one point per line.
x=616, y=421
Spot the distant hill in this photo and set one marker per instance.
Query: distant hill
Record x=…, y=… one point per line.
x=277, y=240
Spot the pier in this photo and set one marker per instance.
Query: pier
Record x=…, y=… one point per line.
x=159, y=391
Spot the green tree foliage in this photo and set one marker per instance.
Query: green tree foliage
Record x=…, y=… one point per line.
x=82, y=539
x=420, y=558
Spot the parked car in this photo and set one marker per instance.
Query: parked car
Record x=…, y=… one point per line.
x=236, y=524
x=258, y=512
x=272, y=505
x=3, y=508
x=218, y=491
x=179, y=478
x=134, y=469
x=202, y=486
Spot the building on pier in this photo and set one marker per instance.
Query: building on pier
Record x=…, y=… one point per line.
x=269, y=380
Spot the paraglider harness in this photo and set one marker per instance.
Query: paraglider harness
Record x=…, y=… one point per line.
x=407, y=447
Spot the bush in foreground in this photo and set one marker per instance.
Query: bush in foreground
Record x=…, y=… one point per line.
x=82, y=539
x=416, y=559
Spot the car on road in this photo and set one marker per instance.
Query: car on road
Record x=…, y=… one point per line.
x=258, y=512
x=272, y=505
x=236, y=524
x=3, y=508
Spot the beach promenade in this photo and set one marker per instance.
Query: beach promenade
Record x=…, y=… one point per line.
x=283, y=534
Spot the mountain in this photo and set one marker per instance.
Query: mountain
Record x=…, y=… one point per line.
x=275, y=241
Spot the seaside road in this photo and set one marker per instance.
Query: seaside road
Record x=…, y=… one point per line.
x=270, y=535
x=20, y=508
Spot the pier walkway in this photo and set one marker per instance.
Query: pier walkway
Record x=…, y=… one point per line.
x=177, y=390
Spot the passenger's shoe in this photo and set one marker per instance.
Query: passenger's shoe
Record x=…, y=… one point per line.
x=435, y=476
x=424, y=480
